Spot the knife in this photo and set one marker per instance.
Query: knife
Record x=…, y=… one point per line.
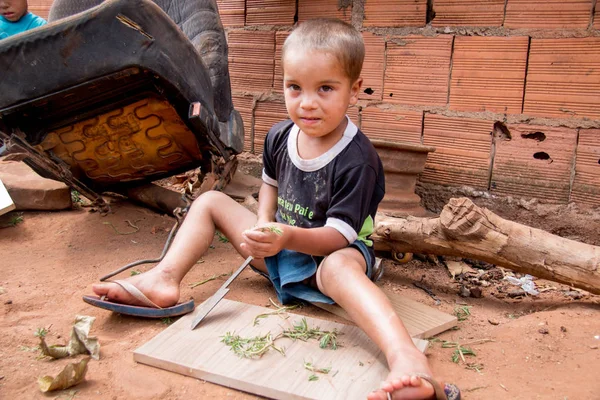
x=209, y=304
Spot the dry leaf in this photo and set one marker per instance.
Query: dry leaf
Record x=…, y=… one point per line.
x=80, y=342
x=458, y=267
x=71, y=375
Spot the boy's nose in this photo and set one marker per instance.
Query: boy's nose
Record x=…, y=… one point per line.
x=308, y=102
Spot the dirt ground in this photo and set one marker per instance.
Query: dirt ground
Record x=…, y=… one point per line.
x=533, y=347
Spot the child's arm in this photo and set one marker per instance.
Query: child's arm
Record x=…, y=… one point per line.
x=267, y=204
x=267, y=240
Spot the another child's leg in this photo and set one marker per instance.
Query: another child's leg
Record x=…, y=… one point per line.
x=342, y=277
x=212, y=210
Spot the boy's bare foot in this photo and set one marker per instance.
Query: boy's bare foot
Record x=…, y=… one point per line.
x=158, y=286
x=403, y=386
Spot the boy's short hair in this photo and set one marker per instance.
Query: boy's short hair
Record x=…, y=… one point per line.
x=332, y=36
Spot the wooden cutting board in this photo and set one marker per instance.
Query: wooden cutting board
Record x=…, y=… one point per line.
x=357, y=367
x=6, y=203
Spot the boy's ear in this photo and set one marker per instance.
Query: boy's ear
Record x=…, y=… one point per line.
x=355, y=90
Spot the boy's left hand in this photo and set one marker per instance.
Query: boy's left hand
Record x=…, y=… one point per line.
x=265, y=240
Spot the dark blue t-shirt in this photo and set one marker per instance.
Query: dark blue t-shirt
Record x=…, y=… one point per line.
x=340, y=189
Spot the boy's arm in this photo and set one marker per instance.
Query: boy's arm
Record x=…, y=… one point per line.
x=315, y=241
x=267, y=204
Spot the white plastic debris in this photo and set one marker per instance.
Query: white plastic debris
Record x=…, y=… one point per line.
x=526, y=282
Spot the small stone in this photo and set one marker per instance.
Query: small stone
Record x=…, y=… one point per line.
x=516, y=293
x=544, y=331
x=574, y=294
x=464, y=291
x=476, y=292
x=8, y=302
x=563, y=329
x=2, y=290
x=493, y=321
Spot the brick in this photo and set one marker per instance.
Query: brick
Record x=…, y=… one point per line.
x=468, y=13
x=597, y=18
x=392, y=125
x=548, y=14
x=232, y=12
x=372, y=71
x=563, y=78
x=280, y=37
x=266, y=114
x=244, y=105
x=395, y=13
x=535, y=162
x=270, y=12
x=308, y=9
x=488, y=73
x=462, y=155
x=586, y=186
x=417, y=70
x=40, y=8
x=251, y=60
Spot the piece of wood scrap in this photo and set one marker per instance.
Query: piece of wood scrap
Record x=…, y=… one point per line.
x=6, y=203
x=420, y=320
x=357, y=366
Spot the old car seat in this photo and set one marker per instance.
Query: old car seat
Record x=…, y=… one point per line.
x=117, y=94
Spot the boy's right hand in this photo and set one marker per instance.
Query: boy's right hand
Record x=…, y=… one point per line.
x=265, y=240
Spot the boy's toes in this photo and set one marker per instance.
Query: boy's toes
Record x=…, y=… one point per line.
x=378, y=395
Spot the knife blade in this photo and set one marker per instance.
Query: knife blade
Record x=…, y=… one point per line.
x=209, y=304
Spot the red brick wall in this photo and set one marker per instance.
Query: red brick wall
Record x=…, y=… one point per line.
x=449, y=73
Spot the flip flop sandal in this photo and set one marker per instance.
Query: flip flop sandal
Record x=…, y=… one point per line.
x=151, y=310
x=448, y=392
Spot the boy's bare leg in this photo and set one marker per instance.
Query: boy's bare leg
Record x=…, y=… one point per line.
x=212, y=210
x=342, y=277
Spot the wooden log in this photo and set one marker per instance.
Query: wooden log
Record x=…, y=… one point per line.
x=466, y=230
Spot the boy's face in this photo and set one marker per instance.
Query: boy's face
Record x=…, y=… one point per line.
x=317, y=92
x=13, y=10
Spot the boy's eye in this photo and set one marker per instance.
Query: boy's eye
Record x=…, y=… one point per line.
x=293, y=87
x=326, y=88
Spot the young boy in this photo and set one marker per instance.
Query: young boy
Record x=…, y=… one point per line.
x=322, y=183
x=14, y=18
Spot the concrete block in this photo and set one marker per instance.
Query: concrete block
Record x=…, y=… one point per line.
x=266, y=114
x=548, y=14
x=372, y=71
x=251, y=60
x=308, y=9
x=536, y=162
x=417, y=70
x=396, y=13
x=29, y=191
x=232, y=12
x=270, y=12
x=468, y=13
x=488, y=73
x=402, y=126
x=280, y=37
x=586, y=186
x=462, y=155
x=563, y=78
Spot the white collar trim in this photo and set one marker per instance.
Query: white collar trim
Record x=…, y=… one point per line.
x=325, y=158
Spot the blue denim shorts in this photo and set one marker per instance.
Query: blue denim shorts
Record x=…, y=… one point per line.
x=289, y=269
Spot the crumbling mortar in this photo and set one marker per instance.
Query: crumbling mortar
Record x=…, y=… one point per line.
x=358, y=14
x=534, y=33
x=573, y=165
x=572, y=123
